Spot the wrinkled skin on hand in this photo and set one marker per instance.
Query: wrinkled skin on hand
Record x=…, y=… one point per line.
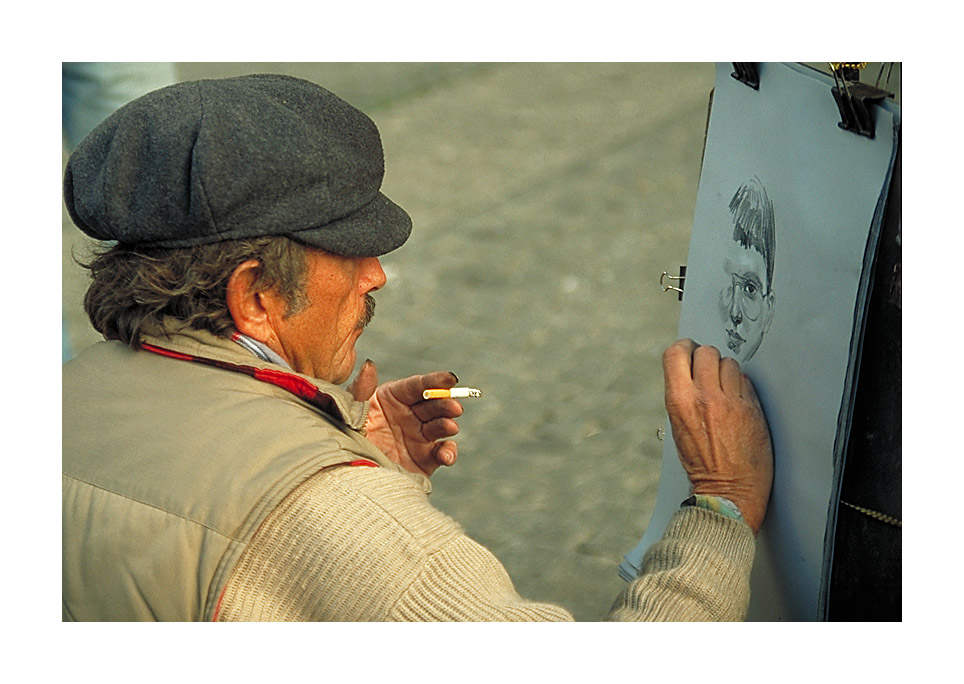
x=719, y=428
x=411, y=431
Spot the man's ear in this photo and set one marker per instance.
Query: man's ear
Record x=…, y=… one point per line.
x=771, y=301
x=249, y=307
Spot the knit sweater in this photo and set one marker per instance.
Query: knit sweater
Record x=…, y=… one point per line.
x=356, y=543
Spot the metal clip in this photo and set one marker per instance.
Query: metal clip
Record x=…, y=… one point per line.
x=681, y=278
x=855, y=99
x=746, y=73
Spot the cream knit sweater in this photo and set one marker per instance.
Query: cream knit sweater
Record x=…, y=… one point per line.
x=365, y=544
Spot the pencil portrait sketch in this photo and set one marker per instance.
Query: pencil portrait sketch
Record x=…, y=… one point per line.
x=746, y=297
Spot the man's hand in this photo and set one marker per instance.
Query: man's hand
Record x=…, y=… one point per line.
x=719, y=428
x=408, y=429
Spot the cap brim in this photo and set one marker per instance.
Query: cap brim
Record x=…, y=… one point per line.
x=375, y=229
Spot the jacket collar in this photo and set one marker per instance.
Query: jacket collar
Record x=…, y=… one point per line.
x=175, y=340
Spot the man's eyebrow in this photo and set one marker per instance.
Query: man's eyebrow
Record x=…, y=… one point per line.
x=750, y=276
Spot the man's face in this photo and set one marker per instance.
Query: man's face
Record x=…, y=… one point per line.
x=320, y=339
x=746, y=302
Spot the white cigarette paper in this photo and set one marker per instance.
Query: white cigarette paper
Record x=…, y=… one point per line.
x=454, y=393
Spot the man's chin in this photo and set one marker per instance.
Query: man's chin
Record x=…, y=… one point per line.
x=734, y=342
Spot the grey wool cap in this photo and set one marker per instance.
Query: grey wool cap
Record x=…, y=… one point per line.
x=222, y=159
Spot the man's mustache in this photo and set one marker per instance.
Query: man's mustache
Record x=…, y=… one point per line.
x=369, y=314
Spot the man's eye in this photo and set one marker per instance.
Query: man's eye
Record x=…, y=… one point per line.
x=749, y=288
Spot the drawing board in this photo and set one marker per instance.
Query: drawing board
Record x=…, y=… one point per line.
x=787, y=216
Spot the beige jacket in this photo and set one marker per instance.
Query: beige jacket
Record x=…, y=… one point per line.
x=198, y=492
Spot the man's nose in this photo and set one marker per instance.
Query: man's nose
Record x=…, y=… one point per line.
x=373, y=277
x=736, y=308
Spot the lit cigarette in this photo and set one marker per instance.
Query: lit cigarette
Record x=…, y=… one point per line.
x=454, y=393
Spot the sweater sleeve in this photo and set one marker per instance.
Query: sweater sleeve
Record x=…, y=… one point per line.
x=365, y=544
x=698, y=571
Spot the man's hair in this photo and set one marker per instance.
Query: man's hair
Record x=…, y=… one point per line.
x=753, y=222
x=135, y=288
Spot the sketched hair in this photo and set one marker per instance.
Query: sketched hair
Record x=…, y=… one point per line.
x=753, y=222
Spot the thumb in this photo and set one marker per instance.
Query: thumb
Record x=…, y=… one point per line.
x=364, y=386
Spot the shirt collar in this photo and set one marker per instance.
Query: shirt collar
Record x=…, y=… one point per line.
x=259, y=349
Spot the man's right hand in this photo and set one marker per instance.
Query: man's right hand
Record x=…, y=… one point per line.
x=413, y=432
x=719, y=428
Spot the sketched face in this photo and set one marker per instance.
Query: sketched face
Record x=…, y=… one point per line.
x=746, y=301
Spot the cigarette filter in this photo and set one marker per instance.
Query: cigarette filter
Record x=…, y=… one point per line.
x=454, y=393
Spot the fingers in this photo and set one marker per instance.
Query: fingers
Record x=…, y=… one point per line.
x=731, y=378
x=421, y=429
x=687, y=365
x=437, y=417
x=678, y=368
x=446, y=453
x=438, y=380
x=409, y=390
x=440, y=428
x=706, y=368
x=430, y=409
x=678, y=360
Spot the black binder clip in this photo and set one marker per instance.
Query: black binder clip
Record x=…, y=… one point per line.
x=681, y=279
x=746, y=73
x=855, y=99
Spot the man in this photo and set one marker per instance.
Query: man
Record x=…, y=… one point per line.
x=747, y=299
x=214, y=469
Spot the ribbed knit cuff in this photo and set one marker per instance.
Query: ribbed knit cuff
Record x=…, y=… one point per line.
x=731, y=537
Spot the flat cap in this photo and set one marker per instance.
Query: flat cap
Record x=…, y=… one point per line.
x=222, y=159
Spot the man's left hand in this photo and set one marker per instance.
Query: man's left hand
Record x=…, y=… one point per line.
x=411, y=431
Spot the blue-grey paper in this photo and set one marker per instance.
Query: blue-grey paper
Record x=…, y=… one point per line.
x=786, y=220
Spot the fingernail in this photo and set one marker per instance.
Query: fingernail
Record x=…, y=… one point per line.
x=454, y=376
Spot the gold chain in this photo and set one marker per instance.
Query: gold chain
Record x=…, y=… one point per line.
x=874, y=514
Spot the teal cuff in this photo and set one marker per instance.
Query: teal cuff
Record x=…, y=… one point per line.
x=717, y=504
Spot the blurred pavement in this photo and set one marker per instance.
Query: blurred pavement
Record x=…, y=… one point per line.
x=547, y=198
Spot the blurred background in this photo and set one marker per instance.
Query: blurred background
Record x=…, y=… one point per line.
x=547, y=199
